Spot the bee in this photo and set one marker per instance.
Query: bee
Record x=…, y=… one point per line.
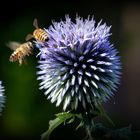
x=39, y=34
x=20, y=51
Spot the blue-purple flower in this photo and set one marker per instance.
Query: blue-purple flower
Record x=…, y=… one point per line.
x=2, y=98
x=78, y=65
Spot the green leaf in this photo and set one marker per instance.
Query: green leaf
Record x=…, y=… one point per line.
x=71, y=120
x=79, y=116
x=64, y=115
x=60, y=118
x=81, y=124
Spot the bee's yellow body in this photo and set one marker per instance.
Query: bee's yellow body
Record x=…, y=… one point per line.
x=40, y=34
x=20, y=51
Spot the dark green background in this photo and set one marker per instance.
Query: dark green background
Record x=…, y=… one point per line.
x=27, y=111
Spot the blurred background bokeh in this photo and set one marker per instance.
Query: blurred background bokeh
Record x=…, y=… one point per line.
x=27, y=111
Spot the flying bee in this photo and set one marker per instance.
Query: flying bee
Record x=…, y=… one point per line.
x=20, y=51
x=39, y=34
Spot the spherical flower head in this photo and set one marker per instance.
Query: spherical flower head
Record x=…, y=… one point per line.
x=78, y=65
x=2, y=99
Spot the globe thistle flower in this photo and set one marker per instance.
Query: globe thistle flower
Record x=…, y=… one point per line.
x=78, y=64
x=1, y=96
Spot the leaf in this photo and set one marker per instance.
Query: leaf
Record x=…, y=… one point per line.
x=60, y=118
x=71, y=120
x=124, y=133
x=80, y=125
x=64, y=115
x=79, y=116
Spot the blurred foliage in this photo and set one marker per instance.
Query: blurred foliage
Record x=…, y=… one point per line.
x=101, y=132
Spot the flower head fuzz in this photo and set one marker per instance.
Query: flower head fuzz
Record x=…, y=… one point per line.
x=78, y=65
x=2, y=99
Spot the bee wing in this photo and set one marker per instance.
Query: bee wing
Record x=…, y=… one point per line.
x=28, y=37
x=35, y=23
x=13, y=45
